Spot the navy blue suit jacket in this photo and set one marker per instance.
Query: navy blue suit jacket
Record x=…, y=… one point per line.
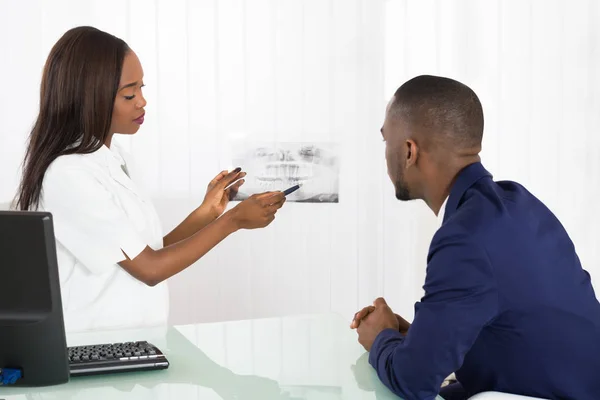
x=507, y=305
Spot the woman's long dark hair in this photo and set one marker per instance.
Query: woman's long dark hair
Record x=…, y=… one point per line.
x=79, y=85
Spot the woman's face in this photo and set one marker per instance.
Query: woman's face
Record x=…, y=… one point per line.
x=128, y=111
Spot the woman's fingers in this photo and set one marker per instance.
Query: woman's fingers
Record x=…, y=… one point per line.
x=239, y=183
x=272, y=209
x=233, y=189
x=217, y=178
x=270, y=198
x=230, y=178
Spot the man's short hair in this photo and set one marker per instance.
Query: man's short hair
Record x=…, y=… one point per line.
x=443, y=110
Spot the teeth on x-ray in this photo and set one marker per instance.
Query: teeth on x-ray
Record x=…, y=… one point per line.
x=278, y=167
x=285, y=171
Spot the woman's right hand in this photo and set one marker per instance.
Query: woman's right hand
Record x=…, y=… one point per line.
x=258, y=210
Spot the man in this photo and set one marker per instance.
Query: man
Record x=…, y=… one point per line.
x=507, y=305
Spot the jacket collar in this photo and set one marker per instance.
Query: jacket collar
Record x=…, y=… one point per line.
x=465, y=179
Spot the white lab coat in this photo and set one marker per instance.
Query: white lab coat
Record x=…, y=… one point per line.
x=98, y=211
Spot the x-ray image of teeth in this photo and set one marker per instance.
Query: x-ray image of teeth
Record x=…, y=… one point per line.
x=278, y=166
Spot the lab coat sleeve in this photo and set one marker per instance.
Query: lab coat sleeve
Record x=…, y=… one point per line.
x=460, y=299
x=87, y=218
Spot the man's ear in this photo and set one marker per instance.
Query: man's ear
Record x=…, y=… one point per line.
x=412, y=153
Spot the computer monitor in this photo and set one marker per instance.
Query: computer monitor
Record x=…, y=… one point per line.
x=32, y=332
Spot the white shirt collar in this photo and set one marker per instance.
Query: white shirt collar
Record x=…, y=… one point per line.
x=440, y=216
x=113, y=154
x=113, y=159
x=110, y=154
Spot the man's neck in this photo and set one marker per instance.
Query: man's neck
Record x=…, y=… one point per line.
x=444, y=180
x=435, y=201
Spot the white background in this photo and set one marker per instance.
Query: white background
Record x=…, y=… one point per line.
x=323, y=70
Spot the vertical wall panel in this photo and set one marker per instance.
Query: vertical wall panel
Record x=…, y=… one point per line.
x=371, y=106
x=22, y=59
x=591, y=189
x=203, y=73
x=574, y=85
x=547, y=45
x=290, y=119
x=345, y=114
x=203, y=296
x=143, y=40
x=235, y=267
x=259, y=49
x=173, y=103
x=315, y=258
x=483, y=75
x=514, y=123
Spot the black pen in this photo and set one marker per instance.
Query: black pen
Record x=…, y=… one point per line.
x=291, y=190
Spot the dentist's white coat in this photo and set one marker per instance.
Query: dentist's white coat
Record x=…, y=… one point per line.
x=99, y=213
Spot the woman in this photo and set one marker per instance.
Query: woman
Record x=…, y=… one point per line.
x=113, y=258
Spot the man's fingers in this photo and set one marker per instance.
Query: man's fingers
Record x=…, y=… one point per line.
x=364, y=312
x=359, y=316
x=379, y=302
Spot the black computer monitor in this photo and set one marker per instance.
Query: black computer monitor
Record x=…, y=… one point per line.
x=32, y=332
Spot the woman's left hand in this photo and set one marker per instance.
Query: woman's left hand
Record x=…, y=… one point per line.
x=218, y=194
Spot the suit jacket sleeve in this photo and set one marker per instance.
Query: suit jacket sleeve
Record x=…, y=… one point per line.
x=460, y=299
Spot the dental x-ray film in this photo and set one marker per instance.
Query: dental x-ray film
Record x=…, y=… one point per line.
x=278, y=166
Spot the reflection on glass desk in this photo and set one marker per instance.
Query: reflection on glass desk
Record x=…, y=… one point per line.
x=300, y=357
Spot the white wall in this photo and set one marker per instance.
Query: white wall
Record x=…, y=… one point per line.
x=322, y=70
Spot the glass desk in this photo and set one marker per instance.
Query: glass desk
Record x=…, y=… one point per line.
x=300, y=357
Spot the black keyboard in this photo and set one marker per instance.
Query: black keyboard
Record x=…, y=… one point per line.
x=115, y=357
